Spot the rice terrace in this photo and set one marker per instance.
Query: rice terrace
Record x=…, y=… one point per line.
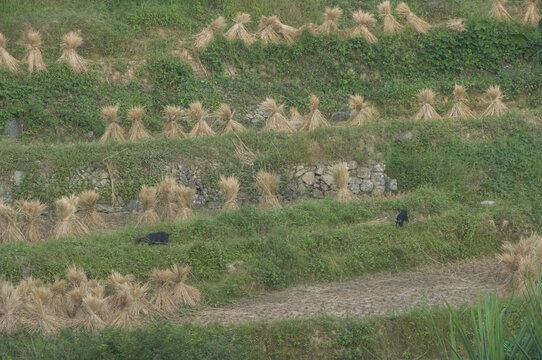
x=257, y=179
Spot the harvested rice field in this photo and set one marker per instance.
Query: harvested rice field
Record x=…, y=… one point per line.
x=259, y=179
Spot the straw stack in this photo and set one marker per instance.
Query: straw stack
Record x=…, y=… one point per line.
x=427, y=111
x=113, y=131
x=362, y=21
x=238, y=31
x=420, y=25
x=138, y=130
x=31, y=211
x=391, y=26
x=460, y=109
x=147, y=199
x=496, y=107
x=185, y=196
x=162, y=297
x=296, y=120
x=38, y=317
x=340, y=175
x=267, y=30
x=315, y=119
x=6, y=60
x=532, y=15
x=9, y=231
x=331, y=16
x=33, y=57
x=166, y=194
x=289, y=33
x=230, y=188
x=183, y=293
x=361, y=113
x=225, y=114
x=70, y=56
x=204, y=38
x=499, y=12
x=522, y=263
x=277, y=121
x=172, y=130
x=268, y=184
x=91, y=219
x=11, y=307
x=69, y=224
x=201, y=128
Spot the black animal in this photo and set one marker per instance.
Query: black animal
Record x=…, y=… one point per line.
x=157, y=238
x=401, y=218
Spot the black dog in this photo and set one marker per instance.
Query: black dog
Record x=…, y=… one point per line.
x=402, y=217
x=157, y=238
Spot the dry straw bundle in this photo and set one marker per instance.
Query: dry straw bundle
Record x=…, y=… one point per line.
x=204, y=38
x=9, y=231
x=427, y=111
x=58, y=301
x=125, y=315
x=113, y=131
x=340, y=175
x=162, y=297
x=361, y=113
x=456, y=24
x=185, y=195
x=75, y=300
x=138, y=130
x=11, y=306
x=331, y=16
x=201, y=128
x=496, y=106
x=499, y=12
x=315, y=119
x=268, y=184
x=166, y=193
x=522, y=262
x=147, y=198
x=31, y=211
x=6, y=60
x=391, y=26
x=289, y=33
x=225, y=114
x=243, y=153
x=362, y=22
x=33, y=57
x=72, y=41
x=183, y=293
x=172, y=130
x=230, y=188
x=38, y=316
x=87, y=202
x=460, y=110
x=193, y=61
x=417, y=23
x=238, y=31
x=296, y=120
x=77, y=277
x=276, y=121
x=532, y=16
x=267, y=30
x=69, y=224
x=94, y=312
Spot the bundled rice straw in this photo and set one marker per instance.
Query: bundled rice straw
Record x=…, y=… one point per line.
x=276, y=121
x=37, y=316
x=27, y=286
x=9, y=231
x=532, y=16
x=238, y=30
x=31, y=211
x=33, y=56
x=225, y=114
x=496, y=106
x=140, y=305
x=296, y=120
x=331, y=16
x=456, y=24
x=460, y=110
x=95, y=288
x=172, y=130
x=125, y=317
x=75, y=300
x=91, y=218
x=289, y=33
x=58, y=301
x=361, y=111
x=523, y=262
x=11, y=306
x=340, y=175
x=6, y=60
x=147, y=199
x=118, y=283
x=69, y=224
x=185, y=195
x=204, y=38
x=184, y=294
x=229, y=187
x=417, y=23
x=113, y=130
x=77, y=277
x=166, y=193
x=427, y=111
x=499, y=12
x=72, y=41
x=193, y=61
x=391, y=26
x=243, y=153
x=362, y=22
x=201, y=128
x=268, y=184
x=94, y=313
x=162, y=298
x=315, y=119
x=267, y=30
x=137, y=131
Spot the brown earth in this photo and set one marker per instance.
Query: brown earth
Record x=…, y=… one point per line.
x=381, y=294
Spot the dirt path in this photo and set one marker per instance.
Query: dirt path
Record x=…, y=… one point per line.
x=377, y=295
